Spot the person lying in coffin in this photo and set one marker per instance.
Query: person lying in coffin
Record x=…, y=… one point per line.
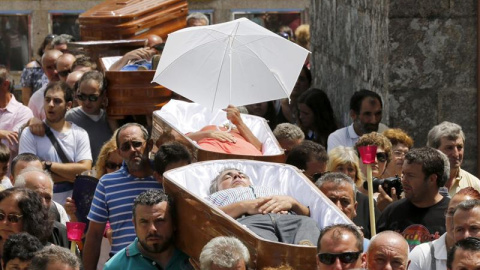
x=264, y=210
x=240, y=140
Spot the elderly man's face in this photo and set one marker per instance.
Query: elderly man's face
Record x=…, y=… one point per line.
x=388, y=253
x=38, y=182
x=334, y=243
x=233, y=179
x=342, y=197
x=466, y=224
x=454, y=150
x=133, y=148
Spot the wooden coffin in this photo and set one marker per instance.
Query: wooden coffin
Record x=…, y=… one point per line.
x=132, y=93
x=169, y=124
x=132, y=19
x=199, y=220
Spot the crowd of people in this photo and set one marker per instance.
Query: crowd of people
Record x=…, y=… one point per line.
x=426, y=206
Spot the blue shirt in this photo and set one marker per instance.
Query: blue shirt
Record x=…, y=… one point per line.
x=113, y=201
x=132, y=258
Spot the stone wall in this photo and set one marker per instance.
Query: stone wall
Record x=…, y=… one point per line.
x=421, y=56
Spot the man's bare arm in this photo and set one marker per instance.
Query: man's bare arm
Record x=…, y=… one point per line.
x=233, y=114
x=68, y=171
x=238, y=209
x=91, y=251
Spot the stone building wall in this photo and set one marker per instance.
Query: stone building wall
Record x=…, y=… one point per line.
x=419, y=55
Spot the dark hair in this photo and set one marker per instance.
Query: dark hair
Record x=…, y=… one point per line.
x=63, y=86
x=308, y=73
x=47, y=40
x=358, y=97
x=467, y=205
x=26, y=157
x=170, y=153
x=83, y=61
x=338, y=179
x=22, y=246
x=431, y=161
x=153, y=197
x=4, y=153
x=94, y=76
x=35, y=215
x=324, y=118
x=353, y=229
x=469, y=244
x=54, y=254
x=306, y=151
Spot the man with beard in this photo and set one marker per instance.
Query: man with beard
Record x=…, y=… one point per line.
x=113, y=199
x=153, y=248
x=70, y=138
x=366, y=112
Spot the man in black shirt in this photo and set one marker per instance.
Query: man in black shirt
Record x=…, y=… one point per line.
x=420, y=216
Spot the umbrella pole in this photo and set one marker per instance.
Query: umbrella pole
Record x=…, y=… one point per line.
x=370, y=200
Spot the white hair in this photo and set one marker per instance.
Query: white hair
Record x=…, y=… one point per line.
x=223, y=251
x=20, y=180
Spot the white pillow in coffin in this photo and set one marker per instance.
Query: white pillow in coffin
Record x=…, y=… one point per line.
x=191, y=117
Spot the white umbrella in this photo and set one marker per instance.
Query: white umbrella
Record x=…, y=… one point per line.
x=237, y=62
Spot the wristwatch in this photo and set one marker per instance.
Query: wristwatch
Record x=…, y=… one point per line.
x=47, y=165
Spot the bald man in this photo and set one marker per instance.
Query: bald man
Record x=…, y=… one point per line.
x=49, y=60
x=64, y=65
x=388, y=250
x=73, y=78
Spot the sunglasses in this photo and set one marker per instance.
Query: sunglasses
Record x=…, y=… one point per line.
x=12, y=218
x=112, y=165
x=346, y=257
x=126, y=146
x=84, y=97
x=382, y=157
x=63, y=73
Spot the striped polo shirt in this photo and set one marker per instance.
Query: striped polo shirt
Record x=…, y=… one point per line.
x=113, y=201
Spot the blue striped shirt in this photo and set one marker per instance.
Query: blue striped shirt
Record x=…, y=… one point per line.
x=113, y=201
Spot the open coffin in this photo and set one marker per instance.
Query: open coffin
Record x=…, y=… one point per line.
x=178, y=118
x=199, y=221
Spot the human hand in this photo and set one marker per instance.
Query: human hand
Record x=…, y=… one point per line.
x=70, y=207
x=383, y=200
x=276, y=204
x=36, y=127
x=233, y=114
x=222, y=136
x=10, y=136
x=141, y=53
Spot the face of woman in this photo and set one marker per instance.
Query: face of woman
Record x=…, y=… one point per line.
x=113, y=163
x=378, y=167
x=306, y=117
x=347, y=169
x=9, y=211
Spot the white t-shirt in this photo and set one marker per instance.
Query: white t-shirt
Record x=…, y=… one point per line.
x=36, y=103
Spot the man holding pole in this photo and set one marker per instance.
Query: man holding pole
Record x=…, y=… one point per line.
x=419, y=217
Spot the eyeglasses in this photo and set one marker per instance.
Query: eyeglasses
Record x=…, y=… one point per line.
x=12, y=218
x=399, y=153
x=382, y=157
x=135, y=144
x=63, y=73
x=346, y=257
x=84, y=97
x=112, y=165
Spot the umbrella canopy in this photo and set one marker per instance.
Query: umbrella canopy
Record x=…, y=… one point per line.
x=237, y=62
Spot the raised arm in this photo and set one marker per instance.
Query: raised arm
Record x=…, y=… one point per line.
x=233, y=114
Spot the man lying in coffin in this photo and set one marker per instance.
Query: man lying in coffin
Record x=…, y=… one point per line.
x=264, y=210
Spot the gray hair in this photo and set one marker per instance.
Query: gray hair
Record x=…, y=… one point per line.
x=20, y=180
x=198, y=16
x=214, y=183
x=223, y=251
x=446, y=129
x=62, y=39
x=288, y=131
x=52, y=254
x=338, y=179
x=467, y=205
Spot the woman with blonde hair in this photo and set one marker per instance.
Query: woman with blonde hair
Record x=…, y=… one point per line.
x=345, y=160
x=108, y=159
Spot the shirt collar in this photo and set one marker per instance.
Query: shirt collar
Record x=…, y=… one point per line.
x=351, y=132
x=12, y=104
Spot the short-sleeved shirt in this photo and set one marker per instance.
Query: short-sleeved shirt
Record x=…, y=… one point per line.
x=347, y=137
x=113, y=201
x=131, y=258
